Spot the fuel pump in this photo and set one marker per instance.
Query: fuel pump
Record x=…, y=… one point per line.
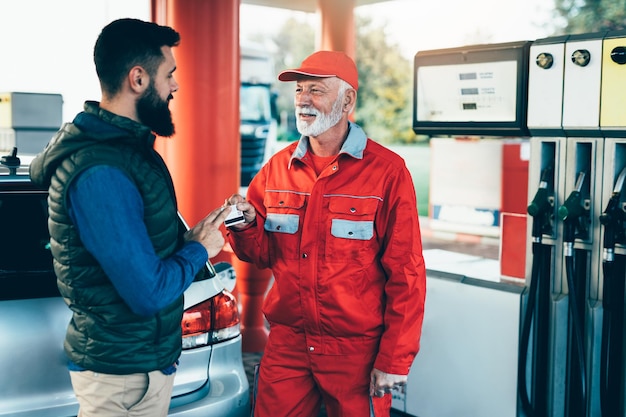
x=574, y=214
x=541, y=210
x=612, y=385
x=613, y=268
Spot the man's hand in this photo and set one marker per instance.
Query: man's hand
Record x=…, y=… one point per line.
x=207, y=232
x=382, y=383
x=249, y=213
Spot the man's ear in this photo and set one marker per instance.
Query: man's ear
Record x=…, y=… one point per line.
x=349, y=99
x=138, y=79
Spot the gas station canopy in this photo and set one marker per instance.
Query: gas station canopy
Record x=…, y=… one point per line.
x=309, y=6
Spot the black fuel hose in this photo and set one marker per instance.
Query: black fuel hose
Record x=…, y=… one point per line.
x=527, y=405
x=539, y=209
x=607, y=270
x=576, y=324
x=613, y=221
x=570, y=213
x=607, y=219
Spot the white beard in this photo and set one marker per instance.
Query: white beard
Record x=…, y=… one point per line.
x=322, y=122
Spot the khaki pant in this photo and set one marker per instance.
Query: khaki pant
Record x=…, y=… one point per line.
x=135, y=395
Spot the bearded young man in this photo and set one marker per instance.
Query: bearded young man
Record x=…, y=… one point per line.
x=120, y=262
x=334, y=216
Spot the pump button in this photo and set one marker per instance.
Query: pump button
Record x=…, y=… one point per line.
x=544, y=60
x=618, y=55
x=581, y=57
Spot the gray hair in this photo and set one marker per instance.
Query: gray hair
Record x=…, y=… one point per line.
x=343, y=87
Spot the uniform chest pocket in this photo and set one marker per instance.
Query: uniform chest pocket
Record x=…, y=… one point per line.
x=351, y=228
x=348, y=229
x=284, y=210
x=282, y=223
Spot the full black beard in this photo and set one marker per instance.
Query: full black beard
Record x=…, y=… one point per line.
x=155, y=113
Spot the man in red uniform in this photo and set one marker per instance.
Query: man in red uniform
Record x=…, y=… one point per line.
x=334, y=216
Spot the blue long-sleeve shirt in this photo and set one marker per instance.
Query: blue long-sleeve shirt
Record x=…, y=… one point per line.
x=107, y=209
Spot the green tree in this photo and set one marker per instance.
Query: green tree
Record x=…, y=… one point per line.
x=384, y=106
x=588, y=16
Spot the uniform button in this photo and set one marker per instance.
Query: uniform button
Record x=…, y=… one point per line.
x=278, y=227
x=350, y=233
x=311, y=348
x=281, y=203
x=352, y=210
x=334, y=167
x=304, y=256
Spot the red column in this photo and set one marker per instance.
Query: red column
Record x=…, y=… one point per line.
x=337, y=28
x=252, y=284
x=203, y=155
x=337, y=25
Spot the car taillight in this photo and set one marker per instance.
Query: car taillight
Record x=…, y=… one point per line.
x=212, y=321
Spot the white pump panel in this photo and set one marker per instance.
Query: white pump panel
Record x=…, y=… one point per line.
x=581, y=95
x=545, y=85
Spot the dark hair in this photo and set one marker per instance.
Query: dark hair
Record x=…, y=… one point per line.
x=124, y=43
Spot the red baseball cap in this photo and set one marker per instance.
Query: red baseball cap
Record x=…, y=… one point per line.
x=325, y=64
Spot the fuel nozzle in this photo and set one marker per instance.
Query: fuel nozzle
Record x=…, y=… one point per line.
x=574, y=213
x=613, y=219
x=541, y=205
x=11, y=161
x=573, y=207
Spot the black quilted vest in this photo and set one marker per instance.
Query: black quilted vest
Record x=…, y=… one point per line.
x=104, y=335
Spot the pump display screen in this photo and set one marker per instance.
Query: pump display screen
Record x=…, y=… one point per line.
x=477, y=90
x=471, y=92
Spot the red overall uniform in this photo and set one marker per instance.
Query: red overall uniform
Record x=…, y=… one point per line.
x=349, y=278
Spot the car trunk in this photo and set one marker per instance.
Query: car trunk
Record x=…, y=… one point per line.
x=35, y=374
x=33, y=318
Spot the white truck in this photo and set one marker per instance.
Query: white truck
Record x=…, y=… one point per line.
x=257, y=109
